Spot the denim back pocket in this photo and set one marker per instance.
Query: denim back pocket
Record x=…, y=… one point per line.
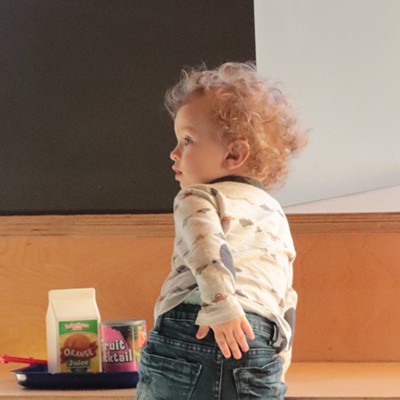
x=260, y=382
x=164, y=378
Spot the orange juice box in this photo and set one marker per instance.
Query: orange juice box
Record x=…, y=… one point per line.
x=72, y=324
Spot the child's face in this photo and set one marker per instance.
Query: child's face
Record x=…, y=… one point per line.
x=199, y=156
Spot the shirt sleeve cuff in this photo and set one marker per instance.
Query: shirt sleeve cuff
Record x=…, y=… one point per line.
x=217, y=314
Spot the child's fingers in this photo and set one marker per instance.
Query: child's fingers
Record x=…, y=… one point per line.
x=222, y=344
x=234, y=346
x=232, y=343
x=202, y=332
x=247, y=329
x=241, y=340
x=231, y=337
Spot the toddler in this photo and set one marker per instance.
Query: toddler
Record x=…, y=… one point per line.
x=225, y=316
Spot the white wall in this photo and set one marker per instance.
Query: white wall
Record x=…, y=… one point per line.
x=339, y=60
x=381, y=200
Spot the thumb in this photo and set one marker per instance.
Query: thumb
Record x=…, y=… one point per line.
x=202, y=332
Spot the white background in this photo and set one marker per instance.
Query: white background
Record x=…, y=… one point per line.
x=339, y=61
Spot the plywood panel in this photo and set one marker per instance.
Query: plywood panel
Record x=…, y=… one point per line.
x=346, y=273
x=127, y=273
x=348, y=289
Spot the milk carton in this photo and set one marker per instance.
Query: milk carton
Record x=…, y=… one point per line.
x=72, y=330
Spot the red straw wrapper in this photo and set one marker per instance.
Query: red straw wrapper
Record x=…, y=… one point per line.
x=31, y=361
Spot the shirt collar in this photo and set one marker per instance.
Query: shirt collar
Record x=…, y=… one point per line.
x=240, y=179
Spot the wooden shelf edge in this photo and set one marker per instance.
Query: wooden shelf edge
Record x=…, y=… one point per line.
x=161, y=225
x=345, y=223
x=145, y=225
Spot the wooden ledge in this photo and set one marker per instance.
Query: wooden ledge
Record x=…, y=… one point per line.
x=155, y=225
x=351, y=381
x=345, y=223
x=161, y=225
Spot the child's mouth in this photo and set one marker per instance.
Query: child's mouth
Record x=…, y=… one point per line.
x=178, y=173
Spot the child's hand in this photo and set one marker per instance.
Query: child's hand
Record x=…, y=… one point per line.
x=230, y=336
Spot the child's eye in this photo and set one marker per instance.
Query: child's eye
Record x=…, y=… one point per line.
x=187, y=140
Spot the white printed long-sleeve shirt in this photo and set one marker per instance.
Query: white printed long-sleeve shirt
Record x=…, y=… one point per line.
x=234, y=252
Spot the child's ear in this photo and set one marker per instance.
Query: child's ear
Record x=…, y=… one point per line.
x=238, y=153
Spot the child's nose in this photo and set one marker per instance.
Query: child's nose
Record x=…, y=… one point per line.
x=174, y=155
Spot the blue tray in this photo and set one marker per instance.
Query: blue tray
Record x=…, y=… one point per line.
x=37, y=377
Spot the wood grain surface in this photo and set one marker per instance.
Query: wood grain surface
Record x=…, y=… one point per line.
x=347, y=276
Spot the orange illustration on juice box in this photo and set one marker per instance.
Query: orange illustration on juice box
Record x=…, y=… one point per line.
x=78, y=346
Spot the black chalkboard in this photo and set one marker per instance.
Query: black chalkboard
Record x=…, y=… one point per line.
x=82, y=123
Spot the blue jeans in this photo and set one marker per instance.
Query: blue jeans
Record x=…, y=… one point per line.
x=177, y=366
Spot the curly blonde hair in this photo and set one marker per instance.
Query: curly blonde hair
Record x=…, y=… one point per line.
x=247, y=107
